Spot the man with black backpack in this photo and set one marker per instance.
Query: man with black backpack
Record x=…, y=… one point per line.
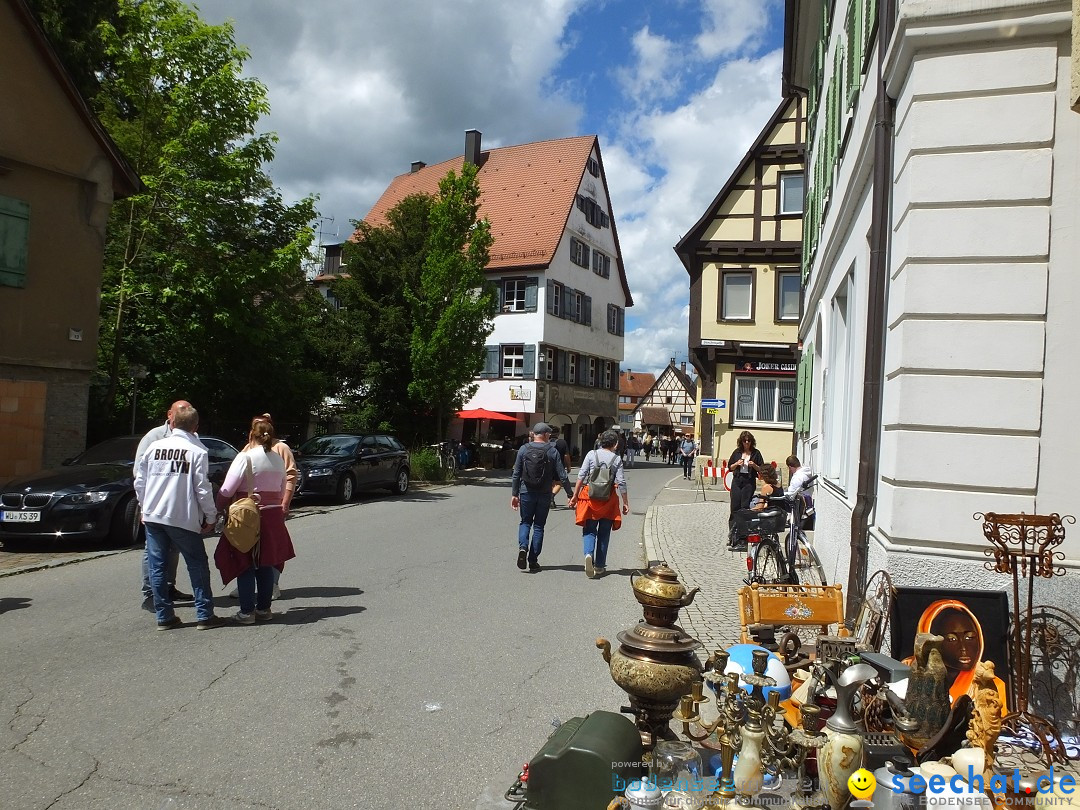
x=536, y=466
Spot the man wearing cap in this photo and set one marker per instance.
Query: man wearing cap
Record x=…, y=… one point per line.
x=536, y=466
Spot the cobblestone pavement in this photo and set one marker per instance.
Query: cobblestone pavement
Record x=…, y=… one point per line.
x=687, y=527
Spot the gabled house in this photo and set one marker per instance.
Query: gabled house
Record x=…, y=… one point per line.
x=743, y=257
x=557, y=341
x=59, y=175
x=668, y=408
x=633, y=385
x=940, y=266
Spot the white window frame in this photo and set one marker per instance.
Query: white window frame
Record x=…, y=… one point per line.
x=752, y=386
x=686, y=419
x=517, y=303
x=836, y=421
x=592, y=371
x=571, y=367
x=513, y=360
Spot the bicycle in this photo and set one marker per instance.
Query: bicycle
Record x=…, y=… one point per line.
x=794, y=562
x=447, y=458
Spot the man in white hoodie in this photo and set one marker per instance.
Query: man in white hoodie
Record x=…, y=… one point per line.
x=177, y=503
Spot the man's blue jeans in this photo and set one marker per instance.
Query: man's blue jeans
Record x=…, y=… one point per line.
x=534, y=508
x=596, y=534
x=160, y=539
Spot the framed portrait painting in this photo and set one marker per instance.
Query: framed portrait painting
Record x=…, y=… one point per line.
x=975, y=625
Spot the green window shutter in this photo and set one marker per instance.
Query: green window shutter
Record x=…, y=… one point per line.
x=869, y=26
x=491, y=362
x=528, y=365
x=530, y=295
x=805, y=382
x=14, y=241
x=854, y=33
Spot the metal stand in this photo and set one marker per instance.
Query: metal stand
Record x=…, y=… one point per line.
x=1024, y=546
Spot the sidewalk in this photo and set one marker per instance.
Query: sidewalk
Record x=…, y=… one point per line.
x=690, y=535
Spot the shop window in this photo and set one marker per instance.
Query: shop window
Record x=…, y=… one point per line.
x=765, y=401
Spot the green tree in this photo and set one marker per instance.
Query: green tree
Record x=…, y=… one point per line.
x=203, y=283
x=71, y=26
x=373, y=356
x=454, y=305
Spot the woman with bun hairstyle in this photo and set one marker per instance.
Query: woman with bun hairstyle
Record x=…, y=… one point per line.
x=254, y=570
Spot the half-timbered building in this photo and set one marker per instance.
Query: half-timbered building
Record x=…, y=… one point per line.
x=743, y=258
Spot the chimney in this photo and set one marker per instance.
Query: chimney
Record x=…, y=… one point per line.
x=629, y=376
x=416, y=166
x=682, y=367
x=472, y=147
x=672, y=361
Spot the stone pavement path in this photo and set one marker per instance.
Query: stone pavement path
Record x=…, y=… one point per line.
x=689, y=534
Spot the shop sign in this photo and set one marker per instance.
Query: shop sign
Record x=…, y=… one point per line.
x=765, y=367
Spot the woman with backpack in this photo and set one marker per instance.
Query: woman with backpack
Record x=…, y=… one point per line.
x=601, y=485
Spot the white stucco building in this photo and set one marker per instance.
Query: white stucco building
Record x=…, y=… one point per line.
x=941, y=255
x=557, y=341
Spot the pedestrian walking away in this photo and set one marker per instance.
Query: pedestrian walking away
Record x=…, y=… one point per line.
x=177, y=504
x=687, y=451
x=261, y=473
x=564, y=453
x=601, y=474
x=745, y=463
x=160, y=432
x=536, y=466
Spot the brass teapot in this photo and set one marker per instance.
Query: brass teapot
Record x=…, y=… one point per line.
x=660, y=587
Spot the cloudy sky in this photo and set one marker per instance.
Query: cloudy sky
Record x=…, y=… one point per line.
x=676, y=90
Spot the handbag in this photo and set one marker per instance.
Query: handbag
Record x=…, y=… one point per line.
x=242, y=521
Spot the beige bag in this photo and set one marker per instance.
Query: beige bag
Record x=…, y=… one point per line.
x=242, y=522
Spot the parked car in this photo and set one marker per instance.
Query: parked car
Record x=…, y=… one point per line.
x=90, y=498
x=341, y=464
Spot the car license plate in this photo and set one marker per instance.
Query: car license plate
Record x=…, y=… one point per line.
x=20, y=517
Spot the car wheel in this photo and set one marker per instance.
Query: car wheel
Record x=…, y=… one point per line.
x=125, y=523
x=401, y=483
x=346, y=488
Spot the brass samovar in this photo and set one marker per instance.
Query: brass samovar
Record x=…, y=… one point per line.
x=655, y=663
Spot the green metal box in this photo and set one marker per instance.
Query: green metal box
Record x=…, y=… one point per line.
x=585, y=764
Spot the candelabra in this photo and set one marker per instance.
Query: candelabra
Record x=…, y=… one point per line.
x=746, y=723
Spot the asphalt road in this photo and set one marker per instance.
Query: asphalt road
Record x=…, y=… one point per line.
x=412, y=665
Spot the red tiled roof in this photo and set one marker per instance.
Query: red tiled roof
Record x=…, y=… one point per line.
x=526, y=193
x=638, y=384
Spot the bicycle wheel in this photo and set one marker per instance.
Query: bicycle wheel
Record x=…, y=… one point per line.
x=808, y=564
x=769, y=565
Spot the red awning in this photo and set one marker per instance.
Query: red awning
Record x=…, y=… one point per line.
x=484, y=413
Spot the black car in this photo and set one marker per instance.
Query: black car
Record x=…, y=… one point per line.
x=89, y=499
x=340, y=464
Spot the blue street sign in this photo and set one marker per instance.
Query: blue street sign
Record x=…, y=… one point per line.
x=713, y=403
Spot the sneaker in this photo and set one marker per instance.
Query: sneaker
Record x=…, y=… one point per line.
x=590, y=571
x=276, y=594
x=522, y=555
x=244, y=618
x=534, y=567
x=600, y=570
x=169, y=624
x=211, y=623
x=177, y=595
x=148, y=604
x=263, y=615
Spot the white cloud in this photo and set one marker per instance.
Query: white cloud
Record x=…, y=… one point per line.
x=356, y=97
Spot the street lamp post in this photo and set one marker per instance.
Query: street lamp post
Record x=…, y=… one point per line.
x=136, y=373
